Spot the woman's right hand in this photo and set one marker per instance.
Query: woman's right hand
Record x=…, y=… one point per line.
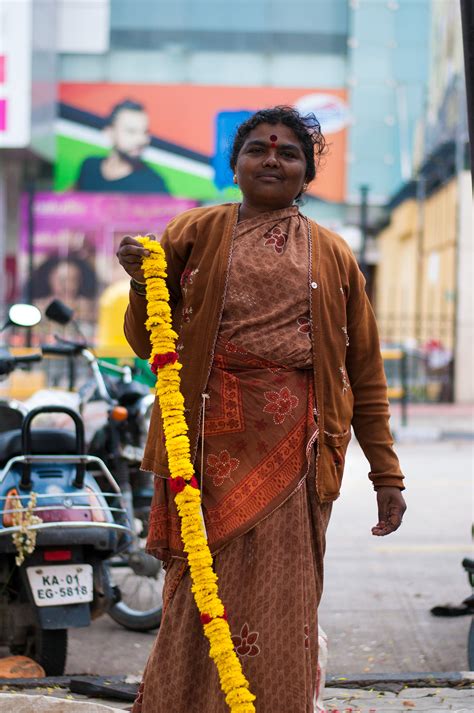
x=130, y=255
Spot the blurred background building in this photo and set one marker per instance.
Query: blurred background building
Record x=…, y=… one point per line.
x=384, y=77
x=425, y=271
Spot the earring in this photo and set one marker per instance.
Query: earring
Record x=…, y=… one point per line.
x=235, y=178
x=305, y=186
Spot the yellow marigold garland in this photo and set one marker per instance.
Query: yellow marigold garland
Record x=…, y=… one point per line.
x=24, y=539
x=164, y=362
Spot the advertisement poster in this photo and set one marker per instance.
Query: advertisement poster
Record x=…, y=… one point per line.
x=76, y=237
x=167, y=135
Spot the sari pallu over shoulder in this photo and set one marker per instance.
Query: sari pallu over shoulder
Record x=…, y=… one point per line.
x=259, y=430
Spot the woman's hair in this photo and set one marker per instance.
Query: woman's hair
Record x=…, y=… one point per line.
x=306, y=128
x=40, y=279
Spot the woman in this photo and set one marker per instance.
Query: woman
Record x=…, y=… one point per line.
x=280, y=356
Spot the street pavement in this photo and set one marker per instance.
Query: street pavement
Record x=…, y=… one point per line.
x=336, y=700
x=431, y=700
x=378, y=591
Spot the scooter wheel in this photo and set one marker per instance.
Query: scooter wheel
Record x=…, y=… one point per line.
x=139, y=578
x=470, y=646
x=133, y=620
x=48, y=647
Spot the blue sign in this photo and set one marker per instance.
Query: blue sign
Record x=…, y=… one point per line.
x=226, y=126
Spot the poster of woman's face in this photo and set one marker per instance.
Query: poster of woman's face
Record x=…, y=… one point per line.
x=69, y=277
x=74, y=245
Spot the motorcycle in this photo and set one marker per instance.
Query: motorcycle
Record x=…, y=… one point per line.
x=58, y=528
x=119, y=442
x=468, y=565
x=12, y=412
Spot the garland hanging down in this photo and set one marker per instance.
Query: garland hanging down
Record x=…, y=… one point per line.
x=164, y=363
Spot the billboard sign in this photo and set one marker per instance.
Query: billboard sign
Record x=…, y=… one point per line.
x=174, y=139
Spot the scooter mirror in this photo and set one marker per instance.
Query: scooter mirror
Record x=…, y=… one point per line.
x=58, y=312
x=24, y=315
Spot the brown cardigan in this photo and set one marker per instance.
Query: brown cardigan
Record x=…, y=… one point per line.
x=349, y=379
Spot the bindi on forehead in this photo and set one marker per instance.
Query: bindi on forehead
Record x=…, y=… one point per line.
x=273, y=140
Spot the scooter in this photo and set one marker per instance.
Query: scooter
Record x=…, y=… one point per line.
x=119, y=443
x=58, y=528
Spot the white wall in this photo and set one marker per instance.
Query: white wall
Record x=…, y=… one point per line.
x=464, y=358
x=175, y=65
x=83, y=26
x=15, y=89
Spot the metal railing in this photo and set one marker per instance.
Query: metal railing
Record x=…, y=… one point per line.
x=398, y=388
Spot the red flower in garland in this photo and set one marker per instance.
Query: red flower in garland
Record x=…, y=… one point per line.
x=163, y=359
x=207, y=618
x=178, y=484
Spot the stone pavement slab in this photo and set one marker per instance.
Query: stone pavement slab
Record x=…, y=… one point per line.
x=336, y=700
x=54, y=703
x=434, y=700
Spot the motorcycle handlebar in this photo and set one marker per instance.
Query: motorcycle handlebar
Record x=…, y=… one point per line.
x=79, y=344
x=70, y=348
x=27, y=358
x=9, y=363
x=62, y=349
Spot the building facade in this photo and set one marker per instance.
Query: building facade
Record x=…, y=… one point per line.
x=425, y=274
x=362, y=65
x=376, y=50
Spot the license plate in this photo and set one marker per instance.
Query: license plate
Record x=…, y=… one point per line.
x=61, y=584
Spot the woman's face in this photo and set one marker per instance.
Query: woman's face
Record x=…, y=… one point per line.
x=65, y=280
x=271, y=167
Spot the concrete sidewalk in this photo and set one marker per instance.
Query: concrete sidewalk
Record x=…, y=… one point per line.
x=430, y=700
x=433, y=422
x=431, y=693
x=386, y=692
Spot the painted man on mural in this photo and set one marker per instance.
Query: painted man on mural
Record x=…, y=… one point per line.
x=123, y=169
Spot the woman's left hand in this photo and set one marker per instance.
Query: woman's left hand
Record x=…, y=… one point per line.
x=392, y=506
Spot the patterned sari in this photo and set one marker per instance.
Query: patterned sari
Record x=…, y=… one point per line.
x=265, y=525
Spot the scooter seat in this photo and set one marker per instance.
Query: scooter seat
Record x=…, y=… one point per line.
x=51, y=441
